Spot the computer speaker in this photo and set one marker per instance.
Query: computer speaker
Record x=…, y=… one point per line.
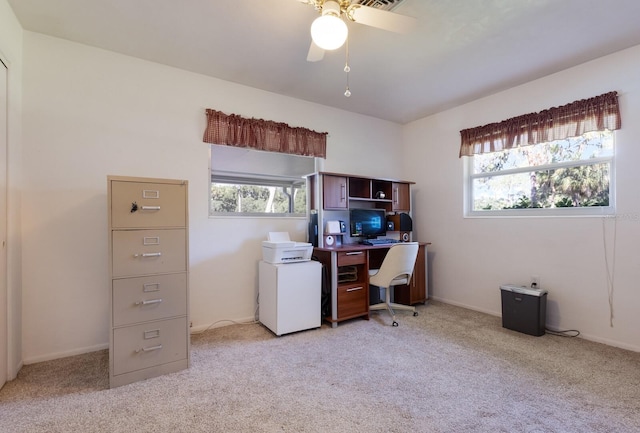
x=313, y=229
x=401, y=222
x=331, y=241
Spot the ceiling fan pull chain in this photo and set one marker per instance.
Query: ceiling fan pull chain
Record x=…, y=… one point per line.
x=347, y=69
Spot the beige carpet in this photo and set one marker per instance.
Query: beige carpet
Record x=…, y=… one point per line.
x=447, y=370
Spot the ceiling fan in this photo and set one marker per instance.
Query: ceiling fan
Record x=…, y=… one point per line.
x=329, y=31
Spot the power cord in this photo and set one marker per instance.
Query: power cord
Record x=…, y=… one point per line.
x=610, y=267
x=251, y=322
x=566, y=333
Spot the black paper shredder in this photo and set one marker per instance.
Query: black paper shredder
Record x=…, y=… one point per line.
x=524, y=309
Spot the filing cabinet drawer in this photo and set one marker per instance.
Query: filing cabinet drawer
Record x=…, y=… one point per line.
x=149, y=344
x=352, y=257
x=139, y=204
x=141, y=252
x=353, y=300
x=142, y=299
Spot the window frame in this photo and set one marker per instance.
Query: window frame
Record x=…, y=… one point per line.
x=585, y=211
x=254, y=181
x=245, y=178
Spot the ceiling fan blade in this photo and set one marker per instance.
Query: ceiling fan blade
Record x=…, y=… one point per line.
x=315, y=53
x=381, y=19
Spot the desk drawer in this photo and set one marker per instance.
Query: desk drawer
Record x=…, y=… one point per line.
x=353, y=300
x=156, y=204
x=142, y=252
x=352, y=257
x=143, y=299
x=149, y=344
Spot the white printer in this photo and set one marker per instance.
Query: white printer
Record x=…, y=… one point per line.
x=279, y=248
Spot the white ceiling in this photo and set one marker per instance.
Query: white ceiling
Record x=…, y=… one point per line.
x=461, y=49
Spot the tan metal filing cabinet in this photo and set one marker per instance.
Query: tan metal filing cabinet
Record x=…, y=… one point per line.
x=149, y=270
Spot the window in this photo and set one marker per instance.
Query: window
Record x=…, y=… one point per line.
x=557, y=161
x=572, y=176
x=255, y=197
x=247, y=182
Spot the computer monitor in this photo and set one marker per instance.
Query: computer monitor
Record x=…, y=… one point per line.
x=368, y=223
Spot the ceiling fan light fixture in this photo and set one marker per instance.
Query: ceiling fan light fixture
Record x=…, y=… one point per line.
x=329, y=31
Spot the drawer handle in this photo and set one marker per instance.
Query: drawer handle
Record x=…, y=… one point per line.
x=150, y=208
x=353, y=289
x=149, y=302
x=149, y=349
x=355, y=253
x=148, y=255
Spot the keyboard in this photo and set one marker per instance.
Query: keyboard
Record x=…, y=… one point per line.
x=379, y=241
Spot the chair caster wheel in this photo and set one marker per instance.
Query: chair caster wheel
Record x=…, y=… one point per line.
x=394, y=323
x=415, y=313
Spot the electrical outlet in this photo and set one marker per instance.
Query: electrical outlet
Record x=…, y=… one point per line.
x=535, y=282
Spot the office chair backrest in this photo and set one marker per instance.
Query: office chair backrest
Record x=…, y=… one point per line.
x=398, y=262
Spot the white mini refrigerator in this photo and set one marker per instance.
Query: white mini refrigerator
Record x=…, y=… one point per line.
x=289, y=296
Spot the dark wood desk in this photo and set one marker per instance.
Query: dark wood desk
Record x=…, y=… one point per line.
x=348, y=271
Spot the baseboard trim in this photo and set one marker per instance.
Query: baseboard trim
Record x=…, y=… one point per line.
x=468, y=307
x=58, y=355
x=589, y=337
x=194, y=330
x=14, y=373
x=226, y=322
x=606, y=341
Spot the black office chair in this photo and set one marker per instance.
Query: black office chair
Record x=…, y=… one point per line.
x=397, y=268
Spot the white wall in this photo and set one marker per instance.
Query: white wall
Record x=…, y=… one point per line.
x=471, y=258
x=89, y=113
x=11, y=54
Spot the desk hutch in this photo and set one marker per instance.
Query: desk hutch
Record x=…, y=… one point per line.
x=348, y=263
